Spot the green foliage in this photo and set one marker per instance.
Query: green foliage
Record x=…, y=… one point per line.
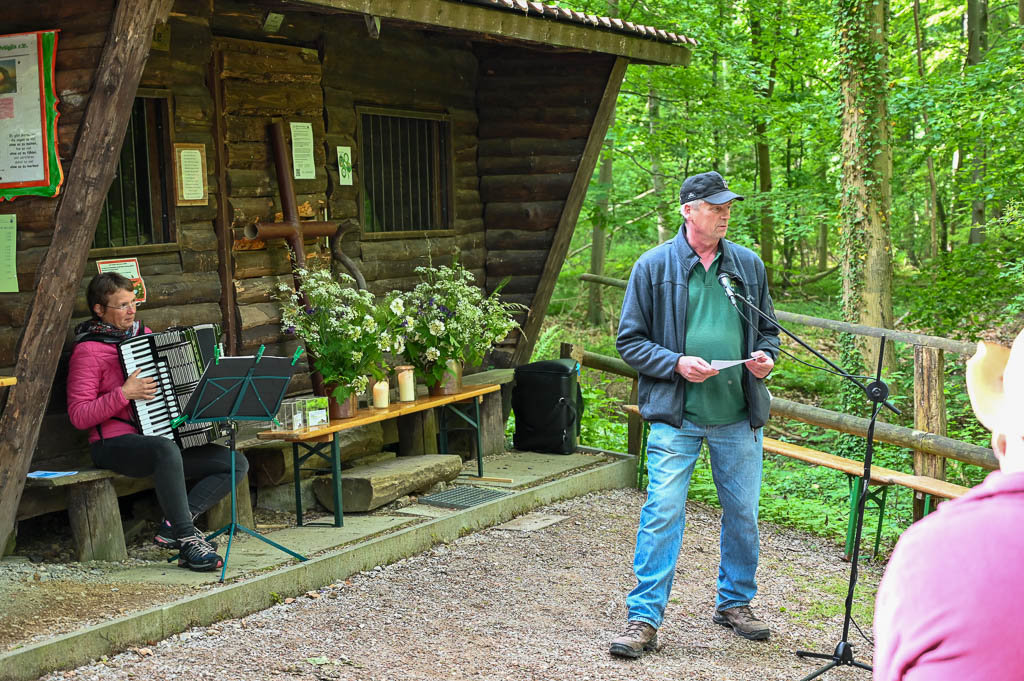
x=342, y=328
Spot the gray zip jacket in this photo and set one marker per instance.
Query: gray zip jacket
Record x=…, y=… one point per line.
x=652, y=327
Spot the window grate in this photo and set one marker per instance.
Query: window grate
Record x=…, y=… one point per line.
x=405, y=173
x=464, y=496
x=137, y=208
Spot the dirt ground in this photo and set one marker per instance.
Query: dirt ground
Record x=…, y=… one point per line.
x=537, y=604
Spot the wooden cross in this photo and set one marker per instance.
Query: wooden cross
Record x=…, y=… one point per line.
x=291, y=230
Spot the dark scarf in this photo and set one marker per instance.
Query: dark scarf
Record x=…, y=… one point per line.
x=99, y=330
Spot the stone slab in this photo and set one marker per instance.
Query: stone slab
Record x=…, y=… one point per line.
x=531, y=522
x=424, y=511
x=527, y=468
x=249, y=554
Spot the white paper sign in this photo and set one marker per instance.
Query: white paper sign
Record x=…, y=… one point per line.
x=345, y=165
x=192, y=174
x=303, y=163
x=726, y=363
x=126, y=267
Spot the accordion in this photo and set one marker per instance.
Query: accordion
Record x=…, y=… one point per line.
x=175, y=359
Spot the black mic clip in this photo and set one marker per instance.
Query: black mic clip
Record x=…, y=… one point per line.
x=726, y=281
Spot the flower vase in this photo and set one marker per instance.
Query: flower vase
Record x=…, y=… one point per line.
x=341, y=409
x=451, y=382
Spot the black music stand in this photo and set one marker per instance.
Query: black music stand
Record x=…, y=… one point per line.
x=240, y=389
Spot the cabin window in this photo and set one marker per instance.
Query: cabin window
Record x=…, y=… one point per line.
x=405, y=171
x=139, y=208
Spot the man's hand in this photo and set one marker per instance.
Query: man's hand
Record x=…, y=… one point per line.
x=694, y=369
x=763, y=364
x=136, y=388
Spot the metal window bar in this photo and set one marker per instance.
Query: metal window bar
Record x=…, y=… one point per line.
x=405, y=175
x=131, y=191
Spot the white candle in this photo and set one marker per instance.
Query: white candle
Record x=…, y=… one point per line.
x=406, y=384
x=380, y=394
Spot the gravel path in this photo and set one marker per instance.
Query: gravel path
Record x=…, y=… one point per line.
x=504, y=604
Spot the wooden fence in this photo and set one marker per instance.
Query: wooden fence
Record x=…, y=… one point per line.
x=927, y=438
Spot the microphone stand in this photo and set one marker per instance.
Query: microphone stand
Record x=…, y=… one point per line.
x=878, y=392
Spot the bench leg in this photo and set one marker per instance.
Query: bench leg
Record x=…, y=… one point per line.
x=96, y=521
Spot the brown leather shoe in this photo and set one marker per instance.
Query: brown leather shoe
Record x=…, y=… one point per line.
x=743, y=622
x=638, y=638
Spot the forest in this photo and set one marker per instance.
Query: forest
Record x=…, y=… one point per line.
x=877, y=144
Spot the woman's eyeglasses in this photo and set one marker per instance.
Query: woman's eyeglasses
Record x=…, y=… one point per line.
x=125, y=307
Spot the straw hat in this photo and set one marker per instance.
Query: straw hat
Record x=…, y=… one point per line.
x=995, y=382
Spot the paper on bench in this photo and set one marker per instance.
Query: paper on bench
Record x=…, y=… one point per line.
x=50, y=474
x=726, y=363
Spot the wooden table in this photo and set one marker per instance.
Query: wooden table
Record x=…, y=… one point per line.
x=314, y=440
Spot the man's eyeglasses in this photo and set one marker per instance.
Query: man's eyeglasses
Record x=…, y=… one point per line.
x=125, y=307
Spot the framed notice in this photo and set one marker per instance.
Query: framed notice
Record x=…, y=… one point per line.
x=126, y=267
x=29, y=165
x=190, y=175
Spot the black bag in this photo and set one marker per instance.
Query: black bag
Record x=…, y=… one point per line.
x=548, y=404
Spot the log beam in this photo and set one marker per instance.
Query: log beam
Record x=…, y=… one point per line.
x=89, y=177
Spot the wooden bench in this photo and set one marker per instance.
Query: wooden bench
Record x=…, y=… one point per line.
x=929, y=488
x=90, y=498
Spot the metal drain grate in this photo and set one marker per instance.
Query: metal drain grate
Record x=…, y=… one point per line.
x=463, y=497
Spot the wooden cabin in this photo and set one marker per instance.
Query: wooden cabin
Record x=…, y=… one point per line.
x=467, y=129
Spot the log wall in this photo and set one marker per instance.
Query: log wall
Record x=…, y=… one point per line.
x=536, y=110
x=519, y=120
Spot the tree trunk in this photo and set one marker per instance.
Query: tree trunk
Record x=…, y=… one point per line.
x=933, y=231
x=761, y=148
x=602, y=217
x=866, y=167
x=63, y=266
x=977, y=45
x=662, y=209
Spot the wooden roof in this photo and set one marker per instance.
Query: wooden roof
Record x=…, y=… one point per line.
x=531, y=22
x=562, y=14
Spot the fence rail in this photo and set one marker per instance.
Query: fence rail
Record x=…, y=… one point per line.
x=927, y=438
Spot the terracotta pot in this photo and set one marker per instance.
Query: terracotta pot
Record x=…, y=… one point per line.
x=451, y=383
x=345, y=409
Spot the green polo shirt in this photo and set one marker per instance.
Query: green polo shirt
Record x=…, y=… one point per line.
x=714, y=330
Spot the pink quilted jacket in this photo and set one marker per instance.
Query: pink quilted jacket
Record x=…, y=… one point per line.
x=94, y=391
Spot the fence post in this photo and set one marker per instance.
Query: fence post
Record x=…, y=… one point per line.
x=929, y=414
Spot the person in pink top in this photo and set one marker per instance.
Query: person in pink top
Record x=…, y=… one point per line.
x=98, y=401
x=947, y=606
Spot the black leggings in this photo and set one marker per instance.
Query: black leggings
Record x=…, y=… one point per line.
x=138, y=456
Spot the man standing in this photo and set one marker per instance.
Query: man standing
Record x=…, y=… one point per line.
x=946, y=607
x=676, y=318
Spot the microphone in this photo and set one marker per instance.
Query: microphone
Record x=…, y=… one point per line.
x=726, y=283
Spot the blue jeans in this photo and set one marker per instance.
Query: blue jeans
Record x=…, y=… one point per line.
x=736, y=457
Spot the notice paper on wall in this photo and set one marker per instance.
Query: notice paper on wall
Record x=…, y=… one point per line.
x=303, y=163
x=126, y=267
x=8, y=254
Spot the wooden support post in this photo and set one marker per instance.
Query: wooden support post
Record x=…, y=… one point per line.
x=635, y=424
x=417, y=433
x=929, y=414
x=96, y=521
x=219, y=514
x=60, y=273
x=222, y=223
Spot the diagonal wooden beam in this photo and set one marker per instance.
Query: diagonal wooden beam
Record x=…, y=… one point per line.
x=570, y=213
x=88, y=179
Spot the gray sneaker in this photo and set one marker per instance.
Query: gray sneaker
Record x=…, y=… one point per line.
x=743, y=622
x=638, y=638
